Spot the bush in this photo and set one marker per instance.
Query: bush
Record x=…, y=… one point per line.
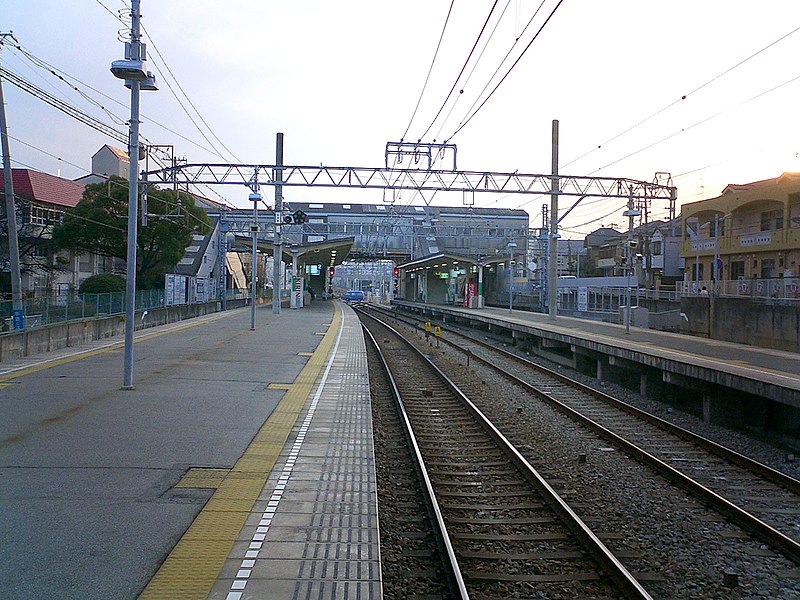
x=103, y=284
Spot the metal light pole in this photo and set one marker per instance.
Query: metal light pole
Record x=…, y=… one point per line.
x=277, y=251
x=255, y=198
x=511, y=245
x=630, y=213
x=552, y=274
x=131, y=69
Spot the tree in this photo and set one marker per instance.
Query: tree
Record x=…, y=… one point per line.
x=98, y=224
x=104, y=283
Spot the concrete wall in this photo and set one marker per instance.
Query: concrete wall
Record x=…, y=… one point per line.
x=74, y=333
x=758, y=324
x=743, y=321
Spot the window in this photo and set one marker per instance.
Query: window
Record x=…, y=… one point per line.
x=655, y=248
x=767, y=268
x=737, y=269
x=44, y=216
x=772, y=220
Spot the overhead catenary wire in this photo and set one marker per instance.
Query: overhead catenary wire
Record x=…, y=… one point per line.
x=510, y=69
x=430, y=70
x=461, y=72
x=472, y=70
x=683, y=97
x=517, y=38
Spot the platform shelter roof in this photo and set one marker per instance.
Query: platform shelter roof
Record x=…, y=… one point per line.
x=443, y=259
x=328, y=253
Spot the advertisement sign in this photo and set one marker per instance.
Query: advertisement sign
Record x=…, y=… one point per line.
x=471, y=292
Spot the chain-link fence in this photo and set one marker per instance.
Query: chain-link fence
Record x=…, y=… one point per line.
x=38, y=312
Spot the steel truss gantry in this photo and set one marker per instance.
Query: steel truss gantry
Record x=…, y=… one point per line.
x=467, y=182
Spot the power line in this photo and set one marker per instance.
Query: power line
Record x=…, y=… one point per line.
x=499, y=66
x=63, y=75
x=684, y=97
x=430, y=70
x=698, y=123
x=175, y=79
x=511, y=68
x=68, y=109
x=45, y=152
x=450, y=93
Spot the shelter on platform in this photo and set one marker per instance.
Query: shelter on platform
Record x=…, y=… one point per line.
x=447, y=278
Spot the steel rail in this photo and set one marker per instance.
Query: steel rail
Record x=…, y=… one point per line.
x=453, y=569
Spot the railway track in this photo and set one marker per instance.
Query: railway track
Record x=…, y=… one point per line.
x=505, y=531
x=677, y=546
x=762, y=500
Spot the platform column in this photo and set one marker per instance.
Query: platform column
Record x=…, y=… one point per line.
x=706, y=407
x=643, y=384
x=480, y=286
x=600, y=373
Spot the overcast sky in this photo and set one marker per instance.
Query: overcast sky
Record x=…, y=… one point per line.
x=340, y=79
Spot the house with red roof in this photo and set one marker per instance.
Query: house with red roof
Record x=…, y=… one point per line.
x=41, y=200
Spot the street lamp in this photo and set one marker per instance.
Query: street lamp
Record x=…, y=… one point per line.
x=132, y=70
x=511, y=245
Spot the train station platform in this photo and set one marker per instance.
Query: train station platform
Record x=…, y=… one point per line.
x=240, y=466
x=677, y=358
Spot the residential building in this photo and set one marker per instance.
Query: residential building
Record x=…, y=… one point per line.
x=655, y=250
x=41, y=200
x=106, y=162
x=749, y=232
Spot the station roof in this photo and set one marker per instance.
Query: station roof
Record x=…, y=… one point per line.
x=451, y=260
x=328, y=253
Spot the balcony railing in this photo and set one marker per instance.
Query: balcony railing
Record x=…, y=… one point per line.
x=783, y=289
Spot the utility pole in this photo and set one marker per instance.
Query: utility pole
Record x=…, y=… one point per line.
x=277, y=250
x=11, y=214
x=553, y=262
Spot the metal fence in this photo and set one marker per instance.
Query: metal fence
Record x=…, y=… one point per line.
x=38, y=312
x=785, y=288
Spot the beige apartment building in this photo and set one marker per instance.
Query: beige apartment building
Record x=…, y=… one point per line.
x=751, y=234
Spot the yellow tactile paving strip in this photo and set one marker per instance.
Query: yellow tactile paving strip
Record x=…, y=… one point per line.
x=199, y=477
x=195, y=562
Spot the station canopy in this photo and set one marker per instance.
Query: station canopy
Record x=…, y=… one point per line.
x=328, y=253
x=450, y=261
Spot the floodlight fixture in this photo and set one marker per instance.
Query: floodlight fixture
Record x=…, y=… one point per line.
x=147, y=85
x=130, y=69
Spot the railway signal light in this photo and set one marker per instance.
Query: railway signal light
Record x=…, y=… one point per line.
x=298, y=217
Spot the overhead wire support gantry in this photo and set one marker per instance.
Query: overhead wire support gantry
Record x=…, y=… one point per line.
x=395, y=178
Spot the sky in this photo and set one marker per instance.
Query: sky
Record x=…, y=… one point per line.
x=707, y=91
